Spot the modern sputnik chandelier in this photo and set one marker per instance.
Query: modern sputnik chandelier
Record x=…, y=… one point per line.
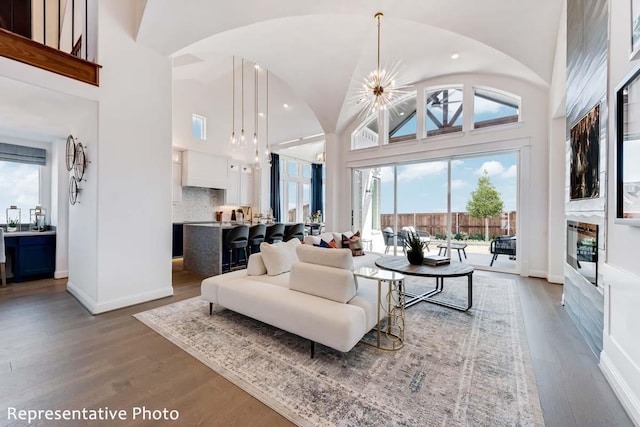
x=380, y=89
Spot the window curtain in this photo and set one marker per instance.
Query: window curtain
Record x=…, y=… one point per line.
x=275, y=186
x=316, y=188
x=21, y=154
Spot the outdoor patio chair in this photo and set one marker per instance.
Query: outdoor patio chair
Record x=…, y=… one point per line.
x=424, y=236
x=388, y=236
x=503, y=245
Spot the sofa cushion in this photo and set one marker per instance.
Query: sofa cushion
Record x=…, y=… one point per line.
x=256, y=266
x=278, y=257
x=312, y=240
x=338, y=258
x=336, y=284
x=338, y=237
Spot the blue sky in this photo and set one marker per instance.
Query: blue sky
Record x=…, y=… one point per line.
x=19, y=185
x=422, y=187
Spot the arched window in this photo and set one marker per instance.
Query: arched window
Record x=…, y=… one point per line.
x=443, y=111
x=402, y=120
x=366, y=135
x=493, y=108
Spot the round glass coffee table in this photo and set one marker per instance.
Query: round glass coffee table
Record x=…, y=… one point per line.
x=400, y=264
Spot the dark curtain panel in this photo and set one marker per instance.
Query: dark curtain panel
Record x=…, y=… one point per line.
x=316, y=188
x=275, y=186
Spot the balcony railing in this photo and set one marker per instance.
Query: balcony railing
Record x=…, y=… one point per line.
x=55, y=35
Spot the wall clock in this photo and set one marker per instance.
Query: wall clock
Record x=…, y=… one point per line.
x=73, y=190
x=70, y=152
x=80, y=164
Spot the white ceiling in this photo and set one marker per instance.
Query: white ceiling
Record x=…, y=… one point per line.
x=320, y=50
x=35, y=113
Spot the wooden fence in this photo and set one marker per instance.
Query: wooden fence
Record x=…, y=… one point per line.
x=435, y=223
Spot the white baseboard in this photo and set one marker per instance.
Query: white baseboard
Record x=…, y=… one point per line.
x=555, y=279
x=96, y=308
x=61, y=274
x=82, y=297
x=133, y=300
x=538, y=273
x=620, y=386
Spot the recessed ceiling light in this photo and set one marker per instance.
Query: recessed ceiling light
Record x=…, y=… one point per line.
x=455, y=55
x=261, y=114
x=257, y=67
x=285, y=105
x=402, y=114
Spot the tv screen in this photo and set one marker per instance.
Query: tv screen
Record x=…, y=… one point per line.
x=582, y=249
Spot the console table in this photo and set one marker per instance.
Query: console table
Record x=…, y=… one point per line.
x=400, y=264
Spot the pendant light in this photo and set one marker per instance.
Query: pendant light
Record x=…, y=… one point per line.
x=234, y=140
x=256, y=158
x=242, y=139
x=379, y=90
x=267, y=152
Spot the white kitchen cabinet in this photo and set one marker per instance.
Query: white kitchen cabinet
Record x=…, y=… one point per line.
x=205, y=170
x=240, y=190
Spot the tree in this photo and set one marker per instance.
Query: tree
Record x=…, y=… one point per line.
x=485, y=202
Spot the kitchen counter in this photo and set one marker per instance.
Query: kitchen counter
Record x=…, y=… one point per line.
x=28, y=233
x=202, y=246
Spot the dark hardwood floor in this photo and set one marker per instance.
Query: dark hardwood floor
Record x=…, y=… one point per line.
x=53, y=354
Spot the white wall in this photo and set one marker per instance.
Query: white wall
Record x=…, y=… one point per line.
x=530, y=137
x=133, y=216
x=620, y=358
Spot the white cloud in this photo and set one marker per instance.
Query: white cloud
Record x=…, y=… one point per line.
x=413, y=172
x=492, y=167
x=512, y=172
x=458, y=183
x=386, y=174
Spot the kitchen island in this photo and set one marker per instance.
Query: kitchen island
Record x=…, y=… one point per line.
x=202, y=247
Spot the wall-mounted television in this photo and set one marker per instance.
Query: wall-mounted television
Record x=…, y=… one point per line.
x=582, y=249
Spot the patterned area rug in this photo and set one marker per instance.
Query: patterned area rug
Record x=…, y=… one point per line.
x=456, y=369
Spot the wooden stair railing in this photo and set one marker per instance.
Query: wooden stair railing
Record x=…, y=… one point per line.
x=27, y=51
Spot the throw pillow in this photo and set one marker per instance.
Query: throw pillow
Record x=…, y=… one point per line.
x=338, y=238
x=332, y=243
x=279, y=257
x=324, y=244
x=256, y=266
x=347, y=236
x=312, y=240
x=355, y=244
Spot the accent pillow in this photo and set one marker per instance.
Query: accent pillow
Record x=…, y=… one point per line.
x=279, y=257
x=333, y=244
x=256, y=266
x=324, y=244
x=339, y=240
x=355, y=244
x=312, y=240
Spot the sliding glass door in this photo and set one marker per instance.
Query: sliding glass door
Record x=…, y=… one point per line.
x=391, y=200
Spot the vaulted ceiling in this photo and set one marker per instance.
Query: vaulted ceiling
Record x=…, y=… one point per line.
x=318, y=51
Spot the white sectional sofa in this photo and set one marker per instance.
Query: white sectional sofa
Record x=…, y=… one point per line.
x=302, y=289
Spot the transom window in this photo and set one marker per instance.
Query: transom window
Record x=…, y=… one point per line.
x=199, y=126
x=491, y=108
x=402, y=120
x=443, y=111
x=366, y=135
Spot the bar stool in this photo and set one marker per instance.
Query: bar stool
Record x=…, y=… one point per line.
x=256, y=236
x=275, y=233
x=3, y=260
x=237, y=238
x=294, y=231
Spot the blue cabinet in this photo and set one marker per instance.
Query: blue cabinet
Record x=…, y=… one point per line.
x=31, y=257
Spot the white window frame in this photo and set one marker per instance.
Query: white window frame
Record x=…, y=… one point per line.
x=285, y=178
x=195, y=116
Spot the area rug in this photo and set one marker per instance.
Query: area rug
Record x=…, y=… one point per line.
x=455, y=369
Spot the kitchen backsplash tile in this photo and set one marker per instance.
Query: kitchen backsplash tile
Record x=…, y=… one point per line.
x=198, y=204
